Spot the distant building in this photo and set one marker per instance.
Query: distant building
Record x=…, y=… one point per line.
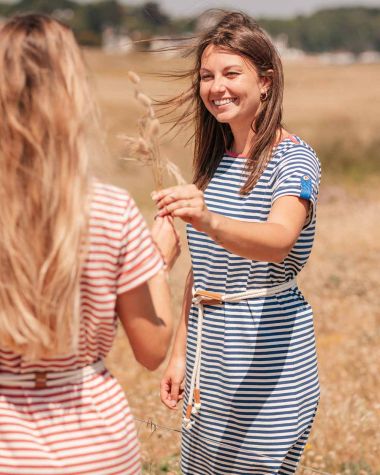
x=64, y=14
x=170, y=46
x=207, y=20
x=281, y=42
x=337, y=57
x=116, y=42
x=210, y=18
x=368, y=57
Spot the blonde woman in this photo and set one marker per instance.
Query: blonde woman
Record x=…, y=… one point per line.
x=74, y=254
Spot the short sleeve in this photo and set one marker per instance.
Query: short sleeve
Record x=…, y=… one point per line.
x=139, y=258
x=299, y=174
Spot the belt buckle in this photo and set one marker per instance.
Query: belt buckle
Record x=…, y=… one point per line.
x=40, y=380
x=209, y=298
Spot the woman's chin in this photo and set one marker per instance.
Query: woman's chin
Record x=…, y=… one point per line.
x=224, y=118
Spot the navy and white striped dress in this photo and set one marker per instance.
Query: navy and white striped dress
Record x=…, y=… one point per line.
x=259, y=380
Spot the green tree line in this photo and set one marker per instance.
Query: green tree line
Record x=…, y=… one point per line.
x=354, y=29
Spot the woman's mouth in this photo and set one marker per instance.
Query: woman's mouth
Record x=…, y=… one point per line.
x=223, y=102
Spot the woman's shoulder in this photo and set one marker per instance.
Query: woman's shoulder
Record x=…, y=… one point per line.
x=110, y=194
x=111, y=202
x=294, y=151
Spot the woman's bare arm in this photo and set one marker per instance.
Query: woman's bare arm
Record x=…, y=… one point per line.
x=268, y=241
x=171, y=383
x=145, y=313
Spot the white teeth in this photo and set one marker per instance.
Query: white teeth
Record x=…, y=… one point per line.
x=223, y=102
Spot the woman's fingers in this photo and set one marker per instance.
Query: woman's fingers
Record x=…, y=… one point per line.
x=157, y=225
x=174, y=394
x=168, y=196
x=171, y=388
x=157, y=195
x=165, y=393
x=186, y=202
x=187, y=214
x=181, y=203
x=167, y=239
x=170, y=393
x=170, y=220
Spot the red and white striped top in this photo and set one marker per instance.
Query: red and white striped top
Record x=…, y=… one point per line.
x=83, y=427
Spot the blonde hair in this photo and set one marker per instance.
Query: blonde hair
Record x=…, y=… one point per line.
x=46, y=118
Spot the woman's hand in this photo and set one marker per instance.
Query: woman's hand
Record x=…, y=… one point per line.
x=185, y=202
x=166, y=237
x=171, y=389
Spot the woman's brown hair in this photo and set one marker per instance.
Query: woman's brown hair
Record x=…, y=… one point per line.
x=240, y=34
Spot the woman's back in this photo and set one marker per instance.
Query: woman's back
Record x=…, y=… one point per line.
x=75, y=254
x=82, y=426
x=120, y=256
x=47, y=121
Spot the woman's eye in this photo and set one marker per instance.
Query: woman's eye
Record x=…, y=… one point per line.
x=205, y=77
x=232, y=73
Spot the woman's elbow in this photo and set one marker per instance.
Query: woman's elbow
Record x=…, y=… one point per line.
x=151, y=364
x=153, y=357
x=278, y=259
x=150, y=361
x=280, y=254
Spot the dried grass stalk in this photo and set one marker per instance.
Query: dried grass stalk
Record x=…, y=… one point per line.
x=145, y=148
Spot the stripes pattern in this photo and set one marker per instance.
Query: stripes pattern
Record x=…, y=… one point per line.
x=259, y=382
x=83, y=427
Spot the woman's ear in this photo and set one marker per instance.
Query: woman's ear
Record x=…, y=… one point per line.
x=266, y=81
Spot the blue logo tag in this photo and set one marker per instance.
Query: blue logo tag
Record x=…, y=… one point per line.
x=306, y=187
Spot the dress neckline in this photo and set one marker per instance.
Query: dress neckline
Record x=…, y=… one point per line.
x=290, y=137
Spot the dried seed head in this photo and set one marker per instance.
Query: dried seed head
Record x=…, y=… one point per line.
x=142, y=145
x=133, y=77
x=145, y=149
x=144, y=99
x=154, y=128
x=126, y=139
x=175, y=172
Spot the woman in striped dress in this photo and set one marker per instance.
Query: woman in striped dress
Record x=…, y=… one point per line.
x=74, y=254
x=245, y=345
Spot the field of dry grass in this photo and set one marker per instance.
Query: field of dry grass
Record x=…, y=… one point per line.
x=325, y=105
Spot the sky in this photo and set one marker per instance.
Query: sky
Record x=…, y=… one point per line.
x=269, y=8
x=256, y=8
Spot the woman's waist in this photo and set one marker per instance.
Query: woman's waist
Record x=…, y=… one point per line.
x=44, y=378
x=227, y=290
x=15, y=363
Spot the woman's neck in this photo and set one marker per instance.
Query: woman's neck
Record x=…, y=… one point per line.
x=243, y=140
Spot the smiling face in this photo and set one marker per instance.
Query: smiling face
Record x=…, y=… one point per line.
x=230, y=87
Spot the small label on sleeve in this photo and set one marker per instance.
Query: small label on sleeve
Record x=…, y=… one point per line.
x=306, y=187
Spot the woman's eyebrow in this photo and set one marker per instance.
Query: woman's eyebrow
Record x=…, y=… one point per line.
x=226, y=67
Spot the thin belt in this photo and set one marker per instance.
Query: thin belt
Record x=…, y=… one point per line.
x=45, y=379
x=200, y=299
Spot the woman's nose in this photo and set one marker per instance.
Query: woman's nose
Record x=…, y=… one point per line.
x=217, y=85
